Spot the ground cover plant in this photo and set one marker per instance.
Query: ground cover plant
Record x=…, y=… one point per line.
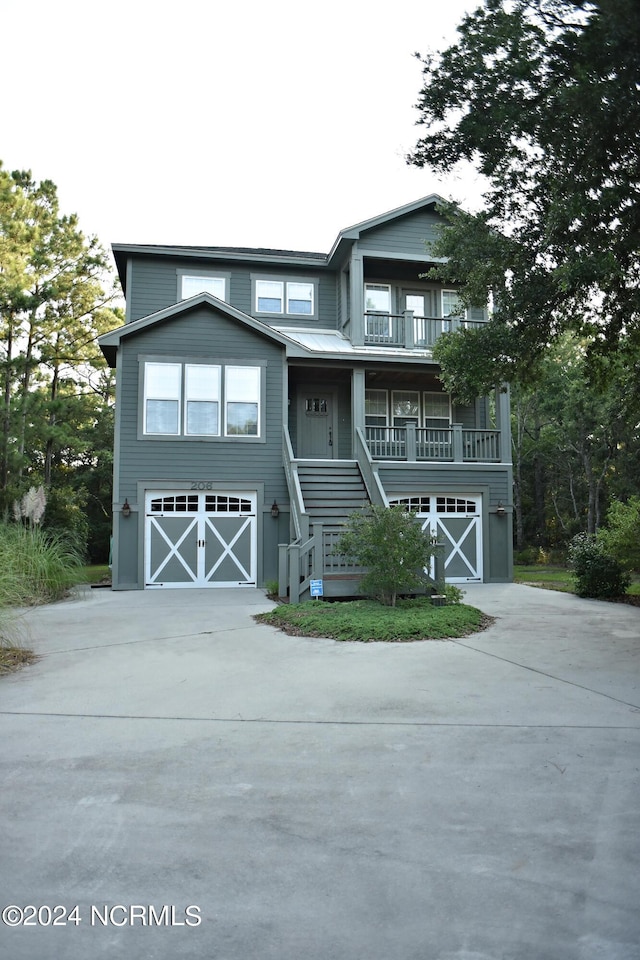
x=369, y=621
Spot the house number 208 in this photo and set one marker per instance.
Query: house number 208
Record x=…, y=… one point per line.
x=201, y=485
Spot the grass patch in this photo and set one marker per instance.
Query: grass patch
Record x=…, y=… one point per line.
x=96, y=573
x=557, y=578
x=367, y=621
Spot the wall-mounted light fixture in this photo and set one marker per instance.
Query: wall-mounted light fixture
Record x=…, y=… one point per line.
x=126, y=509
x=500, y=510
x=275, y=510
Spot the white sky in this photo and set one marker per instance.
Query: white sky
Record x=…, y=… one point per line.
x=273, y=123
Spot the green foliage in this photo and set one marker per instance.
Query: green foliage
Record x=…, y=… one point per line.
x=596, y=573
x=272, y=587
x=37, y=566
x=56, y=296
x=544, y=99
x=453, y=594
x=368, y=621
x=393, y=548
x=621, y=535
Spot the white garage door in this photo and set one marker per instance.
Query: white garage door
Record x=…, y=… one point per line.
x=457, y=522
x=200, y=539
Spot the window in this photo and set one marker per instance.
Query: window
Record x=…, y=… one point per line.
x=269, y=296
x=189, y=285
x=185, y=399
x=451, y=307
x=202, y=399
x=415, y=302
x=242, y=401
x=405, y=407
x=377, y=297
x=290, y=297
x=375, y=408
x=162, y=398
x=436, y=409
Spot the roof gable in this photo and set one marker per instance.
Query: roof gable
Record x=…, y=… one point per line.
x=110, y=342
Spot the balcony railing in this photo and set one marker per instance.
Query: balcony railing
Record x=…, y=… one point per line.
x=455, y=444
x=408, y=330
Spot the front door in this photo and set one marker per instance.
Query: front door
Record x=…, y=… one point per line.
x=316, y=428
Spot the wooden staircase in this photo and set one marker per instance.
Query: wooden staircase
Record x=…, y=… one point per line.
x=332, y=491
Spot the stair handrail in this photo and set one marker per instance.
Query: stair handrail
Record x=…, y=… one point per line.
x=369, y=470
x=299, y=515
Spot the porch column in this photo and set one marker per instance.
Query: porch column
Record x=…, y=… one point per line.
x=357, y=404
x=409, y=331
x=503, y=421
x=456, y=431
x=412, y=446
x=357, y=298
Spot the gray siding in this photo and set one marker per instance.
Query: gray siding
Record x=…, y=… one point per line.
x=154, y=286
x=204, y=334
x=405, y=235
x=413, y=478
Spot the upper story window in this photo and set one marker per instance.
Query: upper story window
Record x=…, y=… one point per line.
x=192, y=283
x=452, y=307
x=201, y=400
x=377, y=298
x=285, y=297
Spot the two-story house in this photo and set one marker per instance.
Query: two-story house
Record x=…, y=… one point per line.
x=263, y=395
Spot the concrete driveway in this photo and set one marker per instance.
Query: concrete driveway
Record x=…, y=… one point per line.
x=286, y=797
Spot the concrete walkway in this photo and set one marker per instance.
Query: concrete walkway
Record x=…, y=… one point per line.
x=465, y=800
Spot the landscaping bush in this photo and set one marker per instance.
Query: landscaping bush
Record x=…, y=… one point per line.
x=37, y=566
x=621, y=536
x=595, y=572
x=394, y=549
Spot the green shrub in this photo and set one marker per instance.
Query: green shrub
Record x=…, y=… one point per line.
x=621, y=536
x=37, y=566
x=595, y=572
x=394, y=549
x=453, y=594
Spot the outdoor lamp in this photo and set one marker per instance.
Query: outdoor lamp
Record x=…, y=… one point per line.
x=126, y=509
x=275, y=510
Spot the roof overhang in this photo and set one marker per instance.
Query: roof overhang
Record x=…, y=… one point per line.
x=110, y=342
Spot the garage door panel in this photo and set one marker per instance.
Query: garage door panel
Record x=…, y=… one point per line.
x=229, y=549
x=457, y=522
x=200, y=540
x=172, y=549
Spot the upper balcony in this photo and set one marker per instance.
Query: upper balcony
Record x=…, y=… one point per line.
x=410, y=331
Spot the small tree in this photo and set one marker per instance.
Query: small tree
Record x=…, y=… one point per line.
x=392, y=546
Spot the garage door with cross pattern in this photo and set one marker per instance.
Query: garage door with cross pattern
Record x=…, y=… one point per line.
x=457, y=523
x=200, y=539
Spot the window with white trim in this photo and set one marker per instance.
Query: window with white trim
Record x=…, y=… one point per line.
x=452, y=307
x=436, y=409
x=242, y=395
x=285, y=297
x=192, y=284
x=201, y=400
x=162, y=396
x=405, y=407
x=375, y=408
